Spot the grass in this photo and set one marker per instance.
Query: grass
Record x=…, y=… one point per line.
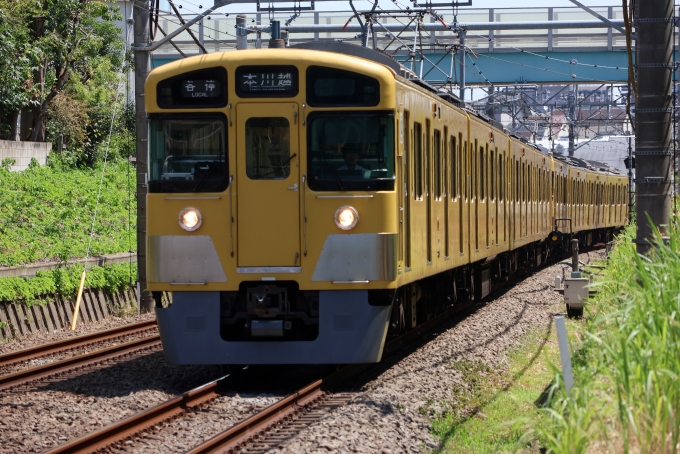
x=626, y=363
x=630, y=359
x=490, y=415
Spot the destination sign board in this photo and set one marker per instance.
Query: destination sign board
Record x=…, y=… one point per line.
x=197, y=89
x=267, y=81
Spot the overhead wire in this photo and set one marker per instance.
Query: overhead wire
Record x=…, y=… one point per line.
x=101, y=182
x=179, y=24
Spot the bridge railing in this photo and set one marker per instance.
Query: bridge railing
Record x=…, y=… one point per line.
x=218, y=32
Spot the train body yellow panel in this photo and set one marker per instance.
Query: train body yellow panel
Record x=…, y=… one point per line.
x=303, y=203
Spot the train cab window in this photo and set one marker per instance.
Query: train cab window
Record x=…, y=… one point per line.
x=351, y=151
x=330, y=87
x=268, y=153
x=187, y=153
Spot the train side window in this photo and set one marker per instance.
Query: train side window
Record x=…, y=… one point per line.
x=492, y=174
x=417, y=161
x=464, y=170
x=427, y=156
x=407, y=154
x=330, y=87
x=482, y=174
x=437, y=164
x=453, y=153
x=525, y=180
x=517, y=182
x=501, y=177
x=462, y=174
x=447, y=163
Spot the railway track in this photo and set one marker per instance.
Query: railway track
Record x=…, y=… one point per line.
x=293, y=409
x=276, y=423
x=50, y=369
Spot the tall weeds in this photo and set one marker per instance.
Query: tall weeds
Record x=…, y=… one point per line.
x=627, y=392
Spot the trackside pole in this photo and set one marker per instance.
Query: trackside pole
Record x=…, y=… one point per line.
x=565, y=355
x=78, y=300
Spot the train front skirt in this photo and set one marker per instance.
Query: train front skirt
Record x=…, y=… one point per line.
x=350, y=331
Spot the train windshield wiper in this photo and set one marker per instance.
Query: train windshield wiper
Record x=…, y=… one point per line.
x=338, y=180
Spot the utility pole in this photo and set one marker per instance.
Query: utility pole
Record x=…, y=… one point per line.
x=653, y=119
x=571, y=102
x=630, y=180
x=142, y=65
x=461, y=57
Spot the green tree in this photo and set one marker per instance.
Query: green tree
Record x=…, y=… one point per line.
x=68, y=37
x=19, y=59
x=83, y=114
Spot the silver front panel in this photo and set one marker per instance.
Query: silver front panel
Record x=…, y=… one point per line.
x=358, y=257
x=183, y=259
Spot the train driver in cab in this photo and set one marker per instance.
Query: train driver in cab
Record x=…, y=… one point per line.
x=350, y=153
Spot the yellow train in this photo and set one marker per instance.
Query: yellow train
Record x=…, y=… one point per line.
x=302, y=204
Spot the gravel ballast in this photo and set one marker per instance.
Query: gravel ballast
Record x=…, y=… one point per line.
x=390, y=413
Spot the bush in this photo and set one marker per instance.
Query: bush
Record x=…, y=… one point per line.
x=64, y=282
x=48, y=212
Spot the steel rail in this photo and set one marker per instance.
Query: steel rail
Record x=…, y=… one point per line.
x=260, y=422
x=140, y=421
x=75, y=342
x=46, y=370
x=240, y=432
x=231, y=438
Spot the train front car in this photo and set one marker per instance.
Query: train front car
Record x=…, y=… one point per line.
x=272, y=211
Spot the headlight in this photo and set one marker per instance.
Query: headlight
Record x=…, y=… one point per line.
x=190, y=219
x=346, y=217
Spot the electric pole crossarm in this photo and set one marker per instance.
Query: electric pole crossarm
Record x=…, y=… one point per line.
x=183, y=22
x=155, y=45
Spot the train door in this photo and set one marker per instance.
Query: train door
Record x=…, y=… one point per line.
x=406, y=189
x=516, y=219
x=474, y=161
x=268, y=179
x=463, y=193
x=447, y=160
x=428, y=187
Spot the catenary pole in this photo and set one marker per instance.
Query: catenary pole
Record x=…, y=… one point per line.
x=461, y=62
x=653, y=119
x=142, y=65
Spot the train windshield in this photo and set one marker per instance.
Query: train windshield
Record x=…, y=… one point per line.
x=187, y=154
x=351, y=151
